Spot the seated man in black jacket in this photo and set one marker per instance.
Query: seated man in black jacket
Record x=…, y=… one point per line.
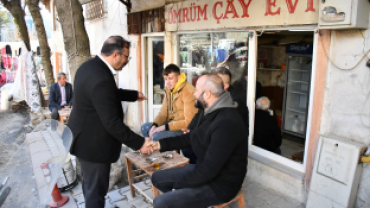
x=242, y=109
x=267, y=133
x=219, y=140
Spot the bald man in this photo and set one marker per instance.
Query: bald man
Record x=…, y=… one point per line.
x=220, y=142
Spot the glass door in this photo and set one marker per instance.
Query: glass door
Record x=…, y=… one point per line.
x=156, y=92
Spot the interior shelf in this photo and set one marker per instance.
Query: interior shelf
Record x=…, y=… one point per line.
x=298, y=92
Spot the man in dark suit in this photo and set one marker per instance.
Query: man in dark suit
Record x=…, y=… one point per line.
x=60, y=96
x=96, y=120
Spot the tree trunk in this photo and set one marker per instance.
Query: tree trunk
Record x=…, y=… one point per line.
x=76, y=41
x=15, y=8
x=33, y=7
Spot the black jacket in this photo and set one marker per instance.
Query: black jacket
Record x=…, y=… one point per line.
x=55, y=98
x=242, y=105
x=220, y=141
x=96, y=119
x=267, y=133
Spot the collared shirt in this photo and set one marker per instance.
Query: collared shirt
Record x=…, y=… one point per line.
x=111, y=69
x=62, y=94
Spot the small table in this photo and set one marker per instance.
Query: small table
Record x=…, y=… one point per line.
x=164, y=163
x=64, y=114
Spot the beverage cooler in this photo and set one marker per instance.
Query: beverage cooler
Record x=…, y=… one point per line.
x=296, y=95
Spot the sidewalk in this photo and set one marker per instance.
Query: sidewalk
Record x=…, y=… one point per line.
x=256, y=196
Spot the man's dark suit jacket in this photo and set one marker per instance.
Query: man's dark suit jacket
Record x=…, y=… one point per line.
x=96, y=119
x=55, y=97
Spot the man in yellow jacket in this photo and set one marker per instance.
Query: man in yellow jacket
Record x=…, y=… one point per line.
x=177, y=109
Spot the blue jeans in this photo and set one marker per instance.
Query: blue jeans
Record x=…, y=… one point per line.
x=200, y=197
x=145, y=128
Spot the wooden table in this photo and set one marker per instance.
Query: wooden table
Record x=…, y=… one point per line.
x=64, y=114
x=164, y=163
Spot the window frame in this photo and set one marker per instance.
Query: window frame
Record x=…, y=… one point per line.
x=104, y=9
x=271, y=159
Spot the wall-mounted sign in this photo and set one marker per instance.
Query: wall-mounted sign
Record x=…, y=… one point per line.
x=208, y=14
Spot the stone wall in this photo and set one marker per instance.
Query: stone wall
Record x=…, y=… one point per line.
x=347, y=96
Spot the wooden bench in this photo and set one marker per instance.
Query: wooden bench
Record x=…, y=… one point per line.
x=239, y=197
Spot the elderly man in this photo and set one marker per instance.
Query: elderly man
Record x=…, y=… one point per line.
x=267, y=133
x=60, y=96
x=220, y=141
x=177, y=109
x=96, y=120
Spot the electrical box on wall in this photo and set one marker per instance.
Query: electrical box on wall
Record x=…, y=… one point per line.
x=336, y=174
x=344, y=14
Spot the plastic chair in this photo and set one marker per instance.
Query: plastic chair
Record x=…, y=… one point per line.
x=58, y=139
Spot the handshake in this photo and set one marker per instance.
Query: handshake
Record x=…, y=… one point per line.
x=149, y=146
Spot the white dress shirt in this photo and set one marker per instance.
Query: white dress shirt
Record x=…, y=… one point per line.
x=62, y=94
x=111, y=69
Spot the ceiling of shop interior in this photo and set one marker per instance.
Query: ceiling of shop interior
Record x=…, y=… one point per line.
x=285, y=37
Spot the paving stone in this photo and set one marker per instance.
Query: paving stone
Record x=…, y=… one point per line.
x=137, y=197
x=115, y=196
x=79, y=199
x=124, y=190
x=252, y=201
x=81, y=205
x=77, y=190
x=256, y=190
x=140, y=203
x=148, y=182
x=149, y=193
x=108, y=203
x=286, y=203
x=142, y=186
x=122, y=204
x=301, y=205
x=268, y=197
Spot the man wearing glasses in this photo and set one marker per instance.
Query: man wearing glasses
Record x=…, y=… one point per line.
x=96, y=120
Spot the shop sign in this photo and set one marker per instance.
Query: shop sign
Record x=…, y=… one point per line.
x=208, y=14
x=305, y=48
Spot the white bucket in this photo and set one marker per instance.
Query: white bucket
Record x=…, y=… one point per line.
x=68, y=179
x=5, y=92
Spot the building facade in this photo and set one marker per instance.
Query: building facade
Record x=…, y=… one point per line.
x=308, y=55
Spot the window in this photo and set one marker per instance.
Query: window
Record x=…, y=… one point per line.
x=95, y=9
x=202, y=52
x=282, y=70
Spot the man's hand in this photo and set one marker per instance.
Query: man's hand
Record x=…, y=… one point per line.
x=159, y=129
x=67, y=106
x=155, y=145
x=140, y=96
x=147, y=146
x=185, y=131
x=151, y=131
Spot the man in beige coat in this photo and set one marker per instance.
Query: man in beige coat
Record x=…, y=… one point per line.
x=177, y=109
